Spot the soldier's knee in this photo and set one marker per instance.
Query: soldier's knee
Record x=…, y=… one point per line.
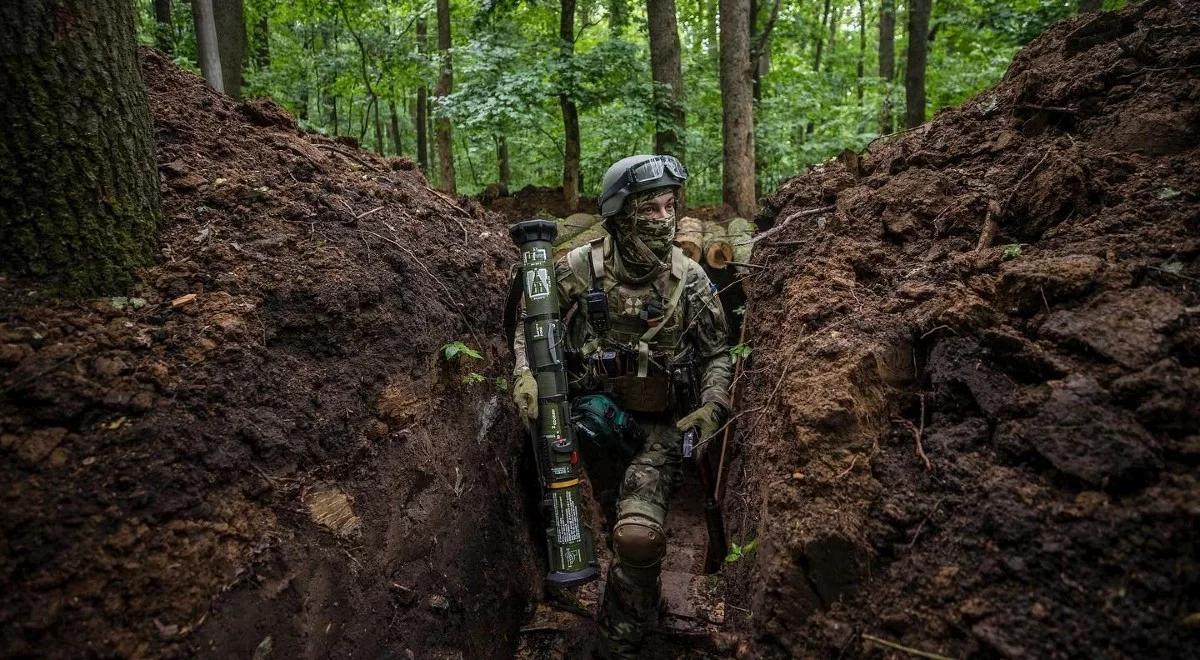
x=639, y=543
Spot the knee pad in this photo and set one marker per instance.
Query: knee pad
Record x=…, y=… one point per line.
x=639, y=543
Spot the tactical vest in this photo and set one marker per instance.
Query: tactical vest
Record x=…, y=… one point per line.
x=645, y=322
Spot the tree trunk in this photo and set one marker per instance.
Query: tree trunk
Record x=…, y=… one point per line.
x=665, y=70
x=572, y=151
x=1090, y=5
x=914, y=71
x=379, y=143
x=394, y=124
x=79, y=204
x=834, y=18
x=333, y=114
x=419, y=121
x=821, y=37
x=164, y=27
x=221, y=43
x=262, y=43
x=737, y=181
x=887, y=62
x=862, y=50
x=502, y=164
x=445, y=83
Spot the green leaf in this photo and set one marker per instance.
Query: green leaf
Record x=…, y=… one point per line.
x=1168, y=193
x=472, y=378
x=453, y=349
x=1011, y=251
x=740, y=352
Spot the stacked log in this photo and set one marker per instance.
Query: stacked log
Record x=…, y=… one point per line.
x=741, y=235
x=717, y=251
x=690, y=237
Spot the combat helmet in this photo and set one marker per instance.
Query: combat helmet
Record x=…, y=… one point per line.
x=635, y=174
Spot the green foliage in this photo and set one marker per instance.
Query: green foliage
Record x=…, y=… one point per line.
x=740, y=352
x=472, y=378
x=452, y=350
x=509, y=71
x=1011, y=251
x=501, y=384
x=737, y=552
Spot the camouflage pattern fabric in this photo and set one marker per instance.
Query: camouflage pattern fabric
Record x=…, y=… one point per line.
x=632, y=595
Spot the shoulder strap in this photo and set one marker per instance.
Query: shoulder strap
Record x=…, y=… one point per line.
x=679, y=274
x=596, y=248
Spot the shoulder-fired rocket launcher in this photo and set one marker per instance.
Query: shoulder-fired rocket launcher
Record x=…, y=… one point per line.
x=568, y=541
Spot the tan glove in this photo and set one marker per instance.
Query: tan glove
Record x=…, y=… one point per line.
x=525, y=393
x=706, y=418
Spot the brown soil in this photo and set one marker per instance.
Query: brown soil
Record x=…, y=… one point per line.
x=1052, y=377
x=533, y=202
x=266, y=451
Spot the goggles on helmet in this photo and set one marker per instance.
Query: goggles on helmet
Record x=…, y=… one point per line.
x=645, y=175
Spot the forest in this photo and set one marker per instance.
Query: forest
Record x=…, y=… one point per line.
x=827, y=76
x=891, y=351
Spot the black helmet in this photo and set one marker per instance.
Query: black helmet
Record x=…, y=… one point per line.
x=635, y=174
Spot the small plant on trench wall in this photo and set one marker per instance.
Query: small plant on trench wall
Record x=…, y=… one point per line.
x=472, y=378
x=1011, y=251
x=453, y=350
x=737, y=552
x=740, y=352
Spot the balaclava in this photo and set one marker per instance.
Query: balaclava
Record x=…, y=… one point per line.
x=644, y=243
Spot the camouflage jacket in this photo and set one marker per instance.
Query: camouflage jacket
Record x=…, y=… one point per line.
x=695, y=323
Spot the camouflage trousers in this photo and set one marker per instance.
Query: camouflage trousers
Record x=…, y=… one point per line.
x=632, y=594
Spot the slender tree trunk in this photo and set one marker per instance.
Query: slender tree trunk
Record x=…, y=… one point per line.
x=821, y=37
x=1090, y=5
x=164, y=27
x=420, y=122
x=862, y=51
x=502, y=164
x=394, y=124
x=737, y=182
x=666, y=71
x=445, y=84
x=710, y=28
x=887, y=62
x=333, y=114
x=262, y=43
x=914, y=68
x=79, y=203
x=834, y=19
x=760, y=50
x=380, y=147
x=572, y=151
x=221, y=42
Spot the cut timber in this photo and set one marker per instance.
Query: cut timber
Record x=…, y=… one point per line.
x=690, y=237
x=718, y=251
x=575, y=224
x=582, y=238
x=741, y=233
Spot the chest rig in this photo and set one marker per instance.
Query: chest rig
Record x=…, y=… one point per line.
x=634, y=330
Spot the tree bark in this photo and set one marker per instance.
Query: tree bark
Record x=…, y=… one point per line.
x=821, y=37
x=862, y=50
x=262, y=42
x=79, y=205
x=221, y=43
x=445, y=83
x=379, y=143
x=571, y=182
x=1090, y=5
x=887, y=62
x=419, y=121
x=914, y=71
x=760, y=50
x=666, y=71
x=737, y=180
x=834, y=18
x=164, y=27
x=394, y=124
x=502, y=164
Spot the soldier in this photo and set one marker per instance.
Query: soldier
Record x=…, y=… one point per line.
x=642, y=321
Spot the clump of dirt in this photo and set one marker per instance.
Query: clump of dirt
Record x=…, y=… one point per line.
x=970, y=421
x=533, y=202
x=262, y=448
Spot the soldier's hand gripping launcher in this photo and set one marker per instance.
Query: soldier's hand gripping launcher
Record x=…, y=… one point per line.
x=572, y=554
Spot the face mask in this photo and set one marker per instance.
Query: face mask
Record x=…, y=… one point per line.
x=657, y=234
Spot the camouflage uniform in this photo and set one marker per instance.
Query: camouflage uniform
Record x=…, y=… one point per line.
x=696, y=324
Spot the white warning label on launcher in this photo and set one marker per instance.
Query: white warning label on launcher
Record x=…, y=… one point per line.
x=566, y=517
x=537, y=283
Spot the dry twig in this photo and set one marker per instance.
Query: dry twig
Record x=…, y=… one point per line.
x=906, y=649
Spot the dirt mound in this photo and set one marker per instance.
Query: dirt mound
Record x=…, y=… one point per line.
x=970, y=423
x=262, y=447
x=533, y=202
